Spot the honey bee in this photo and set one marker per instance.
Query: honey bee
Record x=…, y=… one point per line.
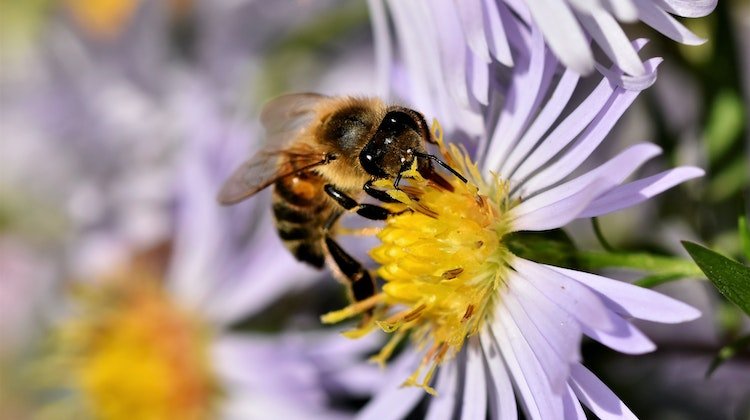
x=322, y=154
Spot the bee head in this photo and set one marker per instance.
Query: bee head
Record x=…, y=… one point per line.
x=393, y=147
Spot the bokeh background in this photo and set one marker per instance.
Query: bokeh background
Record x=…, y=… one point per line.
x=120, y=119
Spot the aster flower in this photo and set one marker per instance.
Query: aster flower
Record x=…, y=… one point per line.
x=481, y=30
x=489, y=325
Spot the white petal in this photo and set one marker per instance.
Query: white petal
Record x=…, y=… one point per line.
x=586, y=143
x=496, y=38
x=567, y=130
x=658, y=19
x=525, y=88
x=571, y=406
x=562, y=33
x=472, y=23
x=549, y=113
x=441, y=406
x=596, y=396
x=478, y=78
x=688, y=8
x=560, y=327
x=633, y=301
x=607, y=33
x=636, y=192
x=614, y=171
x=394, y=401
x=626, y=338
x=475, y=386
x=624, y=10
x=578, y=300
x=553, y=364
x=502, y=399
x=559, y=213
x=382, y=43
x=528, y=375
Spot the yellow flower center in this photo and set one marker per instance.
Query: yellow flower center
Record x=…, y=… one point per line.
x=132, y=354
x=442, y=259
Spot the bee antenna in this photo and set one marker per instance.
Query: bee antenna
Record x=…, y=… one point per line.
x=441, y=163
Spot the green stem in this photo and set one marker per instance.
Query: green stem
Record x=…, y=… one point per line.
x=653, y=264
x=600, y=235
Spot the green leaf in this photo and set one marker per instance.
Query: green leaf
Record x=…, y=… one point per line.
x=727, y=352
x=552, y=247
x=730, y=277
x=744, y=236
x=725, y=123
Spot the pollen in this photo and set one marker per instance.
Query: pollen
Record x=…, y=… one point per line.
x=442, y=258
x=131, y=353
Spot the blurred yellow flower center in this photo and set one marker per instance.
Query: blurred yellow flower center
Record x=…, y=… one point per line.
x=442, y=259
x=102, y=18
x=133, y=354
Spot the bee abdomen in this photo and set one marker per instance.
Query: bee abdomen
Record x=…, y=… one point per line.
x=308, y=251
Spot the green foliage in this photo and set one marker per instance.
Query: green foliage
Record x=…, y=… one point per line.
x=725, y=124
x=740, y=345
x=744, y=231
x=731, y=278
x=552, y=247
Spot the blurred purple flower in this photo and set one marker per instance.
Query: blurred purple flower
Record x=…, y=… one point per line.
x=480, y=28
x=531, y=141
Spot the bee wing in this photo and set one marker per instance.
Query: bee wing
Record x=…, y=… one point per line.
x=290, y=112
x=284, y=118
x=262, y=170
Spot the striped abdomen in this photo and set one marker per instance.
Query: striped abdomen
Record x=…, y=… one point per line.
x=301, y=209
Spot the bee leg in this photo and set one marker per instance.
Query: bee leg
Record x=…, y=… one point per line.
x=361, y=284
x=368, y=211
x=377, y=194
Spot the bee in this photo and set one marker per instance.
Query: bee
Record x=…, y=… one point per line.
x=322, y=154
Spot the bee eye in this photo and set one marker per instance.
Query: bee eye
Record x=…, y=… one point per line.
x=398, y=122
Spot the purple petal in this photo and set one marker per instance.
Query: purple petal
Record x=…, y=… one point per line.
x=636, y=192
x=382, y=44
x=394, y=401
x=633, y=301
x=658, y=19
x=567, y=130
x=519, y=104
x=688, y=8
x=570, y=295
x=610, y=37
x=549, y=113
x=472, y=23
x=528, y=375
x=563, y=34
x=628, y=82
x=572, y=409
x=531, y=217
x=614, y=171
x=442, y=405
x=560, y=328
x=479, y=78
x=625, y=338
x=596, y=396
x=554, y=365
x=624, y=10
x=475, y=385
x=494, y=26
x=502, y=400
